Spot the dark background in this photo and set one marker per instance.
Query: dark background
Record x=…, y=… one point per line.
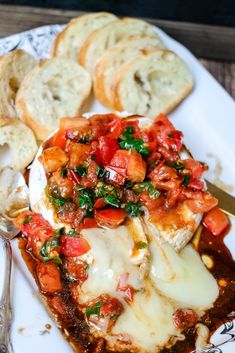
x=200, y=11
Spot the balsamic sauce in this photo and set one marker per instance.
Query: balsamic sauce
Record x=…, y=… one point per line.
x=76, y=330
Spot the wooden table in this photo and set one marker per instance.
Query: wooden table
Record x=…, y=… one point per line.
x=213, y=45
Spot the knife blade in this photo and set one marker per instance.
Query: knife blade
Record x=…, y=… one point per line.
x=226, y=201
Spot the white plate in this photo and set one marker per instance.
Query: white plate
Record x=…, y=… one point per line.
x=207, y=118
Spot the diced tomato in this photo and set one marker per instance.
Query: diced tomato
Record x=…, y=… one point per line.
x=75, y=269
x=53, y=158
x=102, y=119
x=36, y=229
x=110, y=217
x=216, y=221
x=77, y=152
x=63, y=185
x=95, y=152
x=151, y=204
x=89, y=223
x=185, y=318
x=74, y=123
x=172, y=197
x=99, y=203
x=123, y=286
x=132, y=162
x=165, y=178
x=59, y=139
x=116, y=175
x=165, y=133
x=90, y=180
x=196, y=168
x=72, y=246
x=196, y=184
x=48, y=276
x=116, y=128
x=201, y=202
x=108, y=146
x=111, y=307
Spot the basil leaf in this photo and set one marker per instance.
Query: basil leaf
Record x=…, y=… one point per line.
x=186, y=180
x=58, y=201
x=154, y=194
x=64, y=172
x=81, y=170
x=72, y=232
x=112, y=200
x=133, y=210
x=27, y=219
x=94, y=309
x=47, y=250
x=59, y=232
x=137, y=145
x=127, y=134
x=177, y=165
x=85, y=199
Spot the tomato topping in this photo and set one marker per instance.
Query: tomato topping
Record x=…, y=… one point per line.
x=89, y=223
x=132, y=162
x=110, y=217
x=111, y=307
x=216, y=221
x=99, y=203
x=196, y=168
x=73, y=246
x=48, y=276
x=151, y=203
x=59, y=139
x=123, y=286
x=116, y=175
x=58, y=305
x=76, y=270
x=77, y=152
x=53, y=158
x=108, y=146
x=201, y=202
x=73, y=176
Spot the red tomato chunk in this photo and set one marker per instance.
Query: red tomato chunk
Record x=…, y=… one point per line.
x=216, y=221
x=72, y=246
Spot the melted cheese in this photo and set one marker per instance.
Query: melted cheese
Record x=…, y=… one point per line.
x=148, y=320
x=182, y=277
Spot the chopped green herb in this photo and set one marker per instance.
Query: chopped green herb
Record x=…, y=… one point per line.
x=186, y=180
x=101, y=173
x=85, y=199
x=128, y=184
x=64, y=172
x=48, y=250
x=170, y=135
x=59, y=232
x=112, y=200
x=89, y=214
x=127, y=134
x=72, y=232
x=58, y=201
x=133, y=210
x=141, y=245
x=137, y=145
x=27, y=219
x=147, y=186
x=86, y=266
x=86, y=139
x=94, y=309
x=177, y=165
x=81, y=170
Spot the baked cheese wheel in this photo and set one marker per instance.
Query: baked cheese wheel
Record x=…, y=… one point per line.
x=100, y=40
x=55, y=88
x=68, y=42
x=13, y=68
x=114, y=58
x=20, y=140
x=153, y=83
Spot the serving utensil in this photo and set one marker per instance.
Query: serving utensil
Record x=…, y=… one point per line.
x=226, y=201
x=13, y=199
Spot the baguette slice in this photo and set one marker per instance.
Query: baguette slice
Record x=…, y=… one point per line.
x=13, y=68
x=100, y=40
x=152, y=84
x=114, y=58
x=55, y=88
x=20, y=140
x=68, y=42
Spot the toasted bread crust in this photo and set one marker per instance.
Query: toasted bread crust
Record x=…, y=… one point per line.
x=185, y=84
x=13, y=68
